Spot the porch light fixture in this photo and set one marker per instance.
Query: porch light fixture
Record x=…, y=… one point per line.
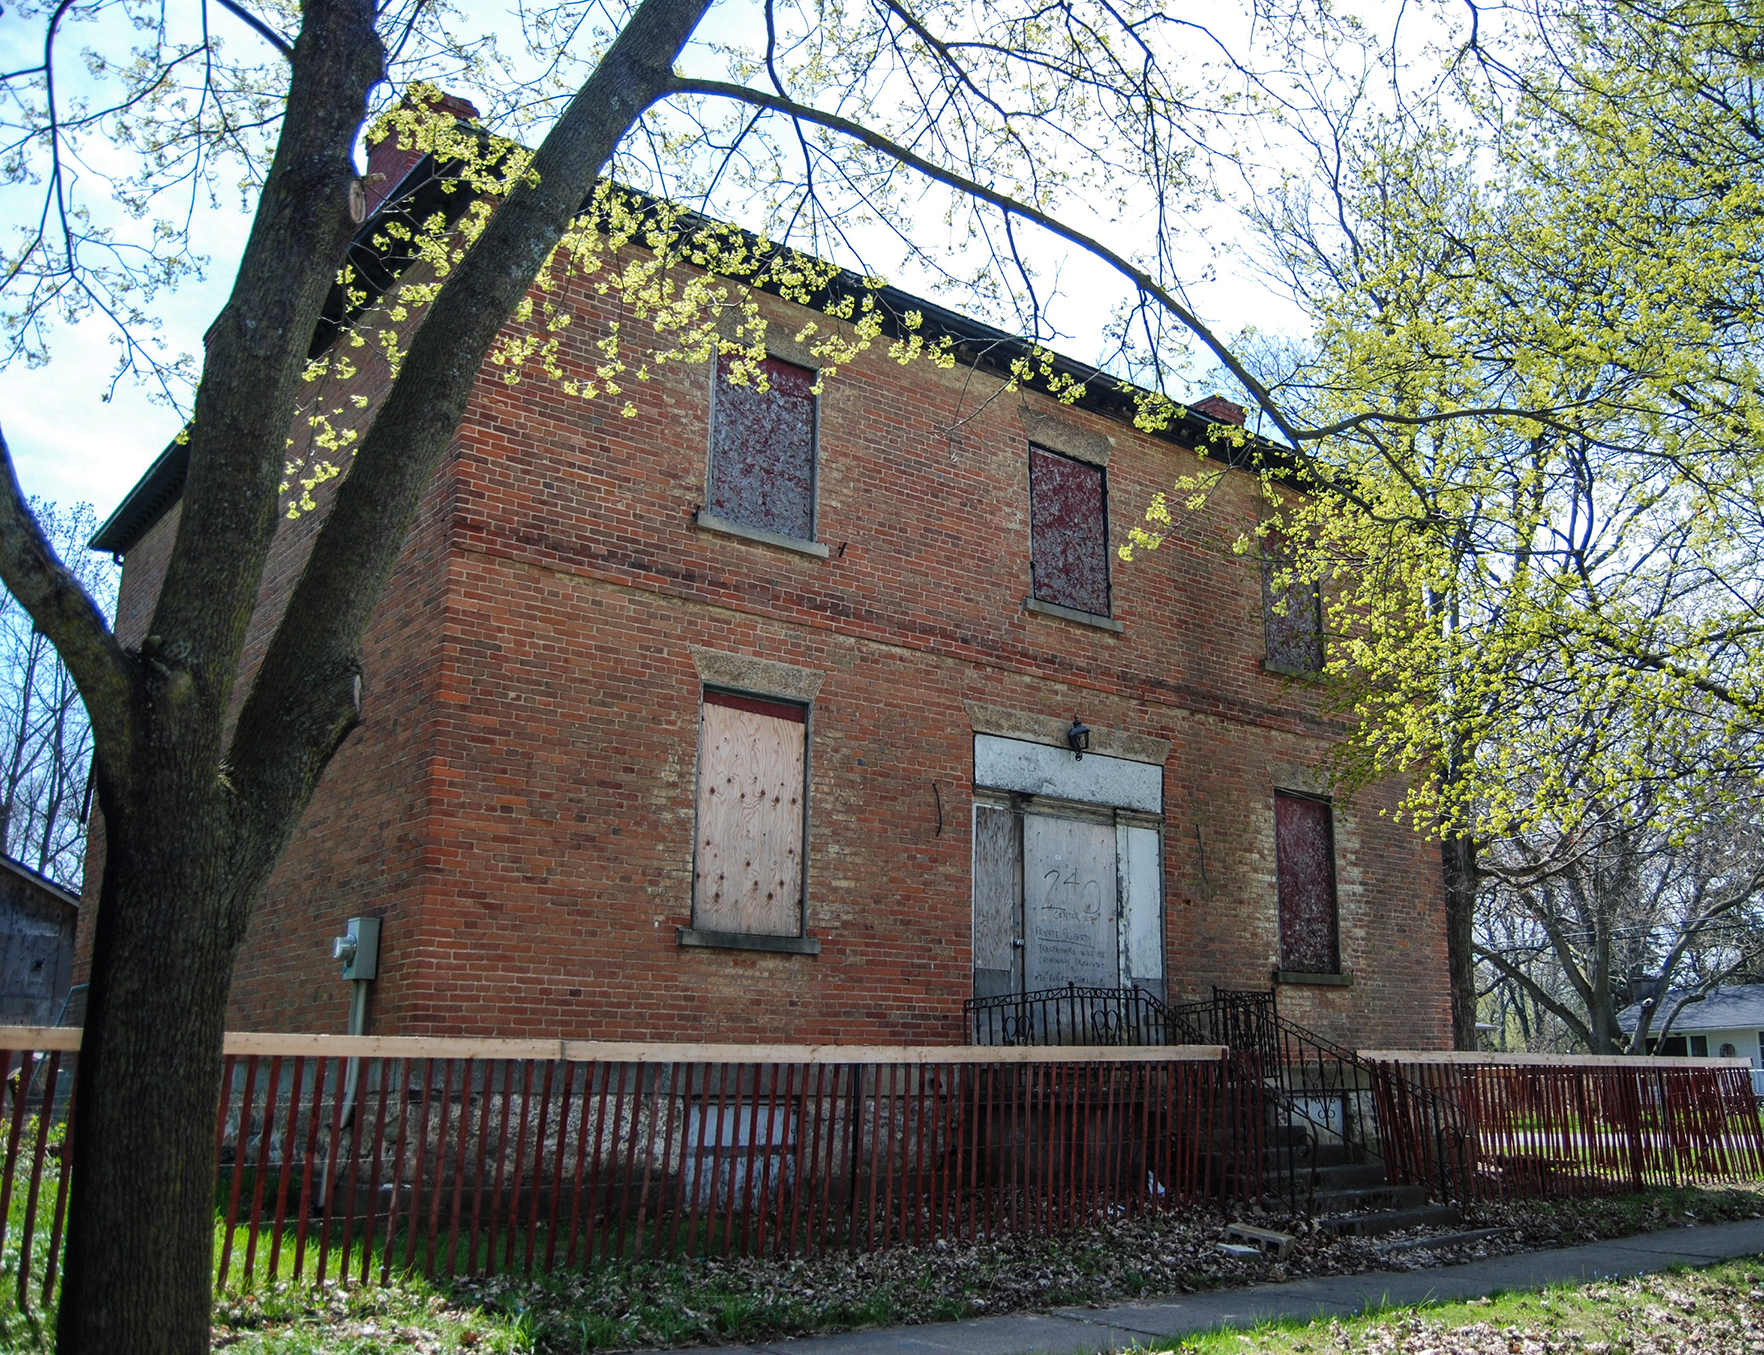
x=1078, y=736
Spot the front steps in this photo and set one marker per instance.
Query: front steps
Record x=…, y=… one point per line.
x=1350, y=1197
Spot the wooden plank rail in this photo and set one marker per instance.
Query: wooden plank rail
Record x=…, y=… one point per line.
x=67, y=1038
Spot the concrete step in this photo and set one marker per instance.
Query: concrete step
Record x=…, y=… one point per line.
x=1369, y=1197
x=1392, y=1220
x=1350, y=1176
x=1300, y=1148
x=1459, y=1238
x=1335, y=1153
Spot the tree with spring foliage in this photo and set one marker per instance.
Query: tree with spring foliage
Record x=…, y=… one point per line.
x=1531, y=387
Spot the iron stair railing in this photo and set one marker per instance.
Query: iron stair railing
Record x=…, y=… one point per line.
x=1293, y=1096
x=1074, y=1016
x=1333, y=1097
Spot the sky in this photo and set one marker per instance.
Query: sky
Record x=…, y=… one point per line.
x=71, y=444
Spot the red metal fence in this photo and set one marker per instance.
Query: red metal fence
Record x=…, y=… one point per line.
x=351, y=1159
x=1543, y=1126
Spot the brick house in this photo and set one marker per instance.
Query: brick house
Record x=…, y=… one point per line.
x=752, y=718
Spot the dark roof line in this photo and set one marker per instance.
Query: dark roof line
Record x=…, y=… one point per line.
x=61, y=892
x=376, y=269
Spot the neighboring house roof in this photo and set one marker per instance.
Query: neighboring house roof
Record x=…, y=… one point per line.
x=42, y=882
x=1738, y=1006
x=376, y=269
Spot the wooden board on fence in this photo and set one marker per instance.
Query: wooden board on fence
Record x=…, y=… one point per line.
x=41, y=1039
x=269, y=1043
x=1544, y=1060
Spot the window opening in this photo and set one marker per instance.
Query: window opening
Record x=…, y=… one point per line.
x=762, y=471
x=1304, y=850
x=1068, y=532
x=1292, y=615
x=752, y=764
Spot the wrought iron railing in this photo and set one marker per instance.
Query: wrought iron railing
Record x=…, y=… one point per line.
x=1293, y=1100
x=1076, y=1016
x=1326, y=1101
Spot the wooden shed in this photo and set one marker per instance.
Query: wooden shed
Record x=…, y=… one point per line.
x=38, y=919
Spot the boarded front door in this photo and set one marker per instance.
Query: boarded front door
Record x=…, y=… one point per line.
x=1069, y=903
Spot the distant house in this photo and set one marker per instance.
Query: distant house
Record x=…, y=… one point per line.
x=38, y=919
x=1728, y=1024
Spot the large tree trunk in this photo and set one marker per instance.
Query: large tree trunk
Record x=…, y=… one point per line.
x=140, y=1246
x=1458, y=863
x=194, y=824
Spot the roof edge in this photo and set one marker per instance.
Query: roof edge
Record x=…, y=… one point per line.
x=987, y=346
x=61, y=892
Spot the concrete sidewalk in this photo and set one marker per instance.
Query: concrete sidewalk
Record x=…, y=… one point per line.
x=1080, y=1331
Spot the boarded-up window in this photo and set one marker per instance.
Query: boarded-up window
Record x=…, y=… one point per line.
x=1068, y=532
x=763, y=450
x=1292, y=617
x=998, y=901
x=750, y=816
x=1304, y=851
x=1071, y=895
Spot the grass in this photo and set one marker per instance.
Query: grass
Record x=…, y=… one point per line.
x=1718, y=1310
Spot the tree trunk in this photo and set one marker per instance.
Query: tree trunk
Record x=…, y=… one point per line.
x=1458, y=864
x=193, y=824
x=140, y=1246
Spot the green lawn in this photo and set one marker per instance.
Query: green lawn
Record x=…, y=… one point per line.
x=1719, y=1311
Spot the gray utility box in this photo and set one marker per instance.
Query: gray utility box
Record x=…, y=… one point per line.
x=359, y=948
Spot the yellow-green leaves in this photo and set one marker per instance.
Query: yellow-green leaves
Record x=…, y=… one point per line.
x=1538, y=528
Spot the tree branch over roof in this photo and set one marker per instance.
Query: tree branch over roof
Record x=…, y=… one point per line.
x=1004, y=202
x=303, y=701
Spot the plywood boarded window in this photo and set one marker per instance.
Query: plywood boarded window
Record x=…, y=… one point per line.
x=998, y=901
x=762, y=471
x=1068, y=532
x=1304, y=851
x=751, y=760
x=1292, y=615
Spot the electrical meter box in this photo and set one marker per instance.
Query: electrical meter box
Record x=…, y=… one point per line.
x=359, y=948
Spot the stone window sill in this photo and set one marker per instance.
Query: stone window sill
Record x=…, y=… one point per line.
x=1291, y=670
x=693, y=938
x=1345, y=979
x=710, y=522
x=1041, y=608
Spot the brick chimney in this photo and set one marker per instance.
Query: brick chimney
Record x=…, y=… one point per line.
x=393, y=162
x=1218, y=407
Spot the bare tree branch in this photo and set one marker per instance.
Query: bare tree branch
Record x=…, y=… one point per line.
x=65, y=612
x=258, y=26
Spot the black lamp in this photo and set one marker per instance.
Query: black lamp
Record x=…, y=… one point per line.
x=1078, y=736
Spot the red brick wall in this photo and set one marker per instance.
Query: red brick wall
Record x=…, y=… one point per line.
x=519, y=800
